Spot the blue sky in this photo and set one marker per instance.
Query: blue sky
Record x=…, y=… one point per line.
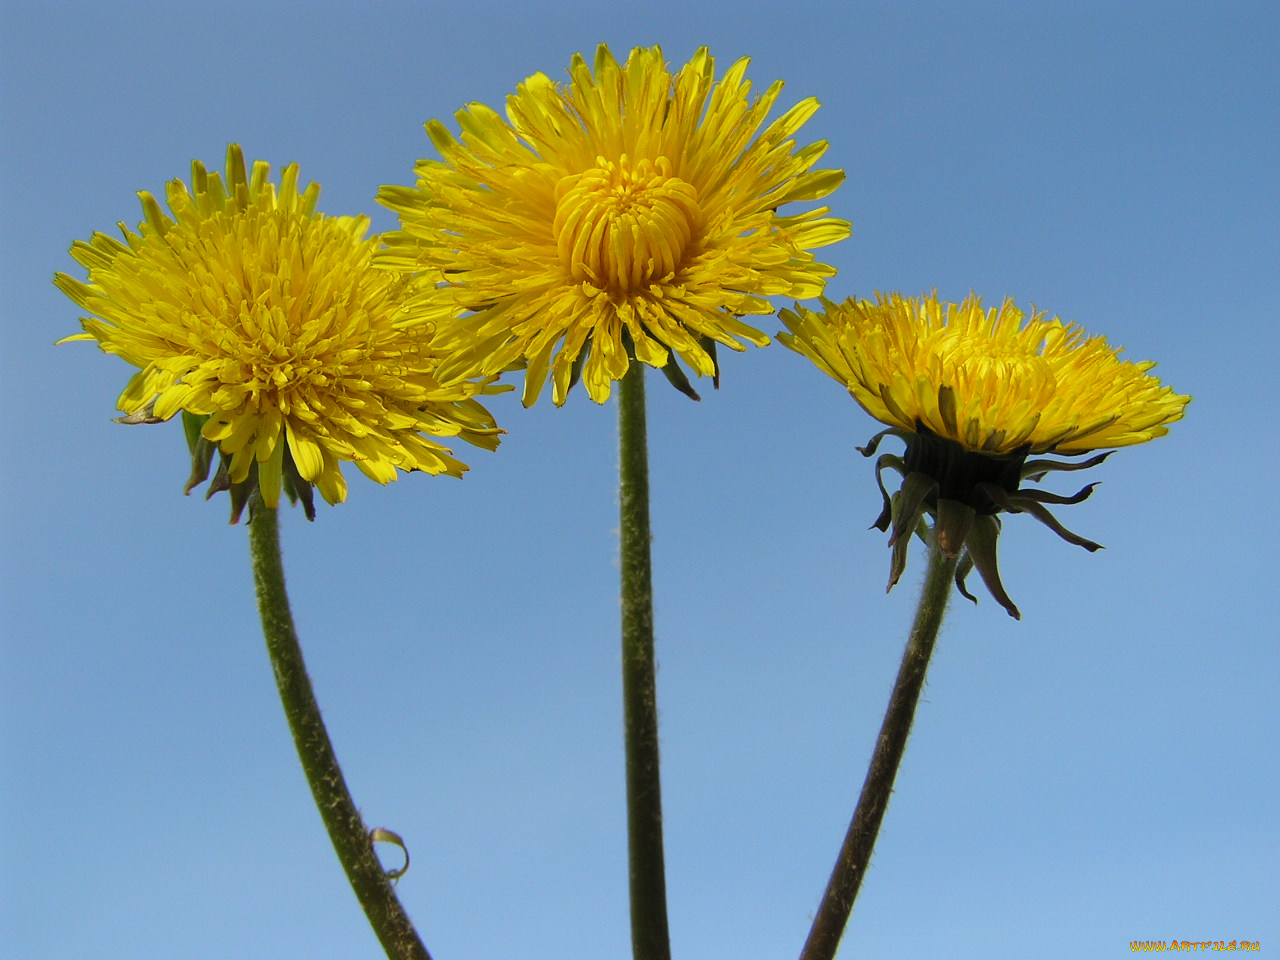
x=1103, y=771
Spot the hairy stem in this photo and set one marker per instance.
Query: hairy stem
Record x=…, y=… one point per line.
x=855, y=854
x=346, y=828
x=649, y=936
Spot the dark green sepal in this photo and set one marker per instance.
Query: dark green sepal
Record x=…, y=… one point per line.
x=1036, y=469
x=676, y=377
x=1015, y=503
x=575, y=370
x=671, y=369
x=201, y=459
x=192, y=424
x=874, y=442
x=954, y=519
x=963, y=569
x=1047, y=496
x=202, y=450
x=909, y=510
x=709, y=346
x=981, y=549
x=886, y=512
x=1050, y=521
x=910, y=505
x=240, y=494
x=221, y=478
x=297, y=489
x=897, y=554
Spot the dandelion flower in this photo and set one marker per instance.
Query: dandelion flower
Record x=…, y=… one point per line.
x=267, y=324
x=631, y=213
x=973, y=392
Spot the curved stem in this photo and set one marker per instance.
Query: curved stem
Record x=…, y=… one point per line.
x=855, y=854
x=341, y=818
x=649, y=936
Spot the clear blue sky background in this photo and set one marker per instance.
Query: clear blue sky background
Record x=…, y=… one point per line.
x=1103, y=771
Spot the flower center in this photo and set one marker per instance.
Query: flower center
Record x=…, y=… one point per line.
x=990, y=368
x=266, y=371
x=621, y=227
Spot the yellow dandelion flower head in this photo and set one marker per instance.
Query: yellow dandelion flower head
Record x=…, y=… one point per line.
x=631, y=213
x=973, y=392
x=991, y=379
x=267, y=321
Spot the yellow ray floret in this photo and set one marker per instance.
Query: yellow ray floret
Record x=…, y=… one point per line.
x=630, y=209
x=991, y=379
x=248, y=307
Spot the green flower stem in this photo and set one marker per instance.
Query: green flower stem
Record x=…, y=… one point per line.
x=649, y=936
x=855, y=854
x=346, y=828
